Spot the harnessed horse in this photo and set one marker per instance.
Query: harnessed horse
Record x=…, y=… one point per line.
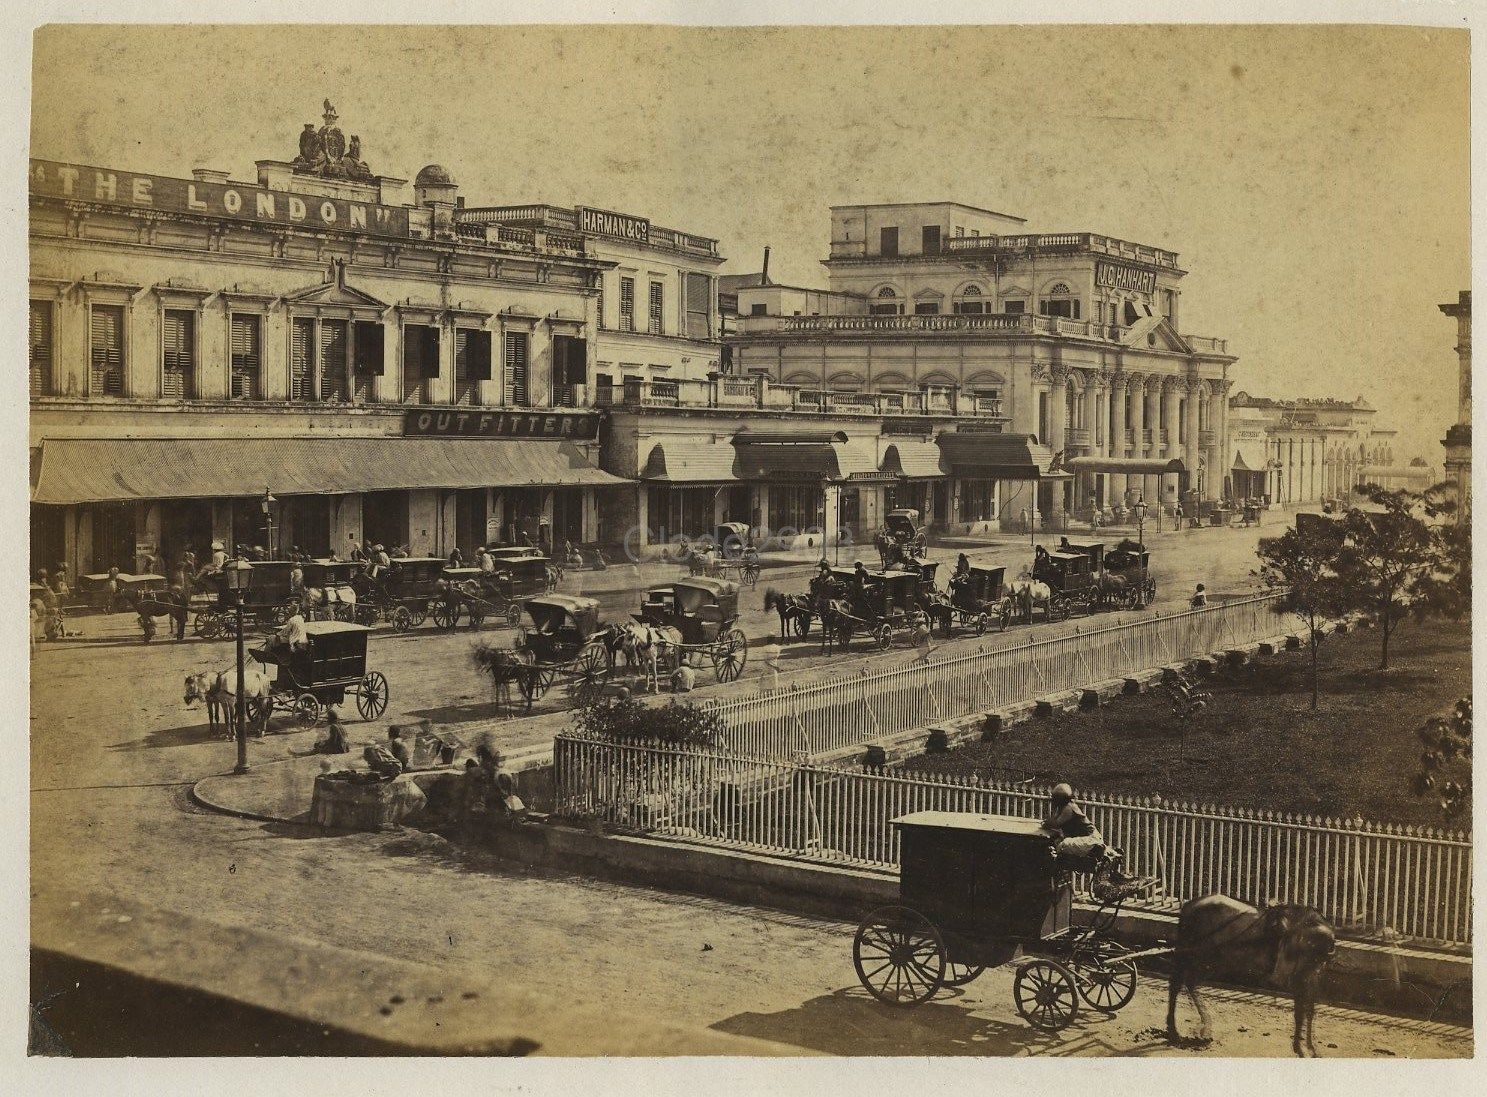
x=218, y=689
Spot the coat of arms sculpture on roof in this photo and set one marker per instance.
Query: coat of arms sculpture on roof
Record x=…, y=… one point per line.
x=324, y=152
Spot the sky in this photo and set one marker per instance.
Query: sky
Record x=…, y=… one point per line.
x=1313, y=180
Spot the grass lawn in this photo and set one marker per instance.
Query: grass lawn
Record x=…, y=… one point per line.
x=1258, y=744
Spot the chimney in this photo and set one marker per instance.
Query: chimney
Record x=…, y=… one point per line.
x=764, y=275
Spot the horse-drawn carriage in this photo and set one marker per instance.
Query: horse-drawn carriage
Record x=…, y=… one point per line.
x=268, y=600
x=888, y=602
x=705, y=613
x=730, y=555
x=333, y=664
x=975, y=600
x=1070, y=579
x=329, y=592
x=128, y=589
x=1127, y=580
x=564, y=641
x=900, y=538
x=978, y=891
x=403, y=595
x=477, y=594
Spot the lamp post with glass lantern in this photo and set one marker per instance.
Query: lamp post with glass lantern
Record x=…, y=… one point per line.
x=1140, y=509
x=238, y=572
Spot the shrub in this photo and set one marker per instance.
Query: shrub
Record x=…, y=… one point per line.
x=675, y=723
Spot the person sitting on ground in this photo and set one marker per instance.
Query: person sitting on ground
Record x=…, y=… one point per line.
x=507, y=802
x=335, y=741
x=381, y=761
x=1200, y=597
x=571, y=556
x=399, y=749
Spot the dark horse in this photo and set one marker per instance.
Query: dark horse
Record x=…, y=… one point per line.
x=794, y=609
x=1220, y=937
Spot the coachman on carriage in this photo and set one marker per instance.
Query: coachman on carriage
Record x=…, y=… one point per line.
x=269, y=600
x=333, y=664
x=887, y=602
x=900, y=538
x=1070, y=579
x=977, y=599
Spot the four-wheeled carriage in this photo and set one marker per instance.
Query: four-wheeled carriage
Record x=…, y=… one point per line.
x=978, y=891
x=267, y=602
x=705, y=612
x=731, y=555
x=519, y=574
x=1070, y=578
x=1128, y=580
x=563, y=642
x=976, y=600
x=403, y=594
x=329, y=592
x=900, y=538
x=129, y=589
x=890, y=601
x=460, y=595
x=333, y=664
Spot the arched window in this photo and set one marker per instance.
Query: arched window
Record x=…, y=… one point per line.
x=1060, y=301
x=971, y=301
x=886, y=303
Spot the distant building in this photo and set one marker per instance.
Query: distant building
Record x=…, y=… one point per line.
x=1458, y=439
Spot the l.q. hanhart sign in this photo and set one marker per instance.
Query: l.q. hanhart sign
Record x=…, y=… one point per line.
x=423, y=423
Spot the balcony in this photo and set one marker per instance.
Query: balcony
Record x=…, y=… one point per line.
x=762, y=394
x=1014, y=324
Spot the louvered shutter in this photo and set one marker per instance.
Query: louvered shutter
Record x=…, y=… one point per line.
x=246, y=357
x=698, y=306
x=466, y=385
x=333, y=360
x=108, y=350
x=517, y=392
x=178, y=343
x=302, y=359
x=41, y=347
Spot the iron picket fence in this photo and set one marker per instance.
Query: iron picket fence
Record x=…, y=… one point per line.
x=847, y=711
x=1365, y=877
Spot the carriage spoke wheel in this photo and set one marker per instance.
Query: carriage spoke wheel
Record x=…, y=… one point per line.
x=801, y=624
x=1106, y=983
x=590, y=672
x=371, y=698
x=751, y=576
x=208, y=626
x=983, y=622
x=446, y=616
x=899, y=956
x=513, y=614
x=417, y=614
x=402, y=619
x=307, y=710
x=1044, y=994
x=958, y=974
x=730, y=655
x=883, y=636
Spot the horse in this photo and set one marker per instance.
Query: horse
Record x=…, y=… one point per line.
x=838, y=622
x=218, y=689
x=337, y=603
x=1220, y=936
x=1113, y=590
x=646, y=646
x=790, y=607
x=1031, y=594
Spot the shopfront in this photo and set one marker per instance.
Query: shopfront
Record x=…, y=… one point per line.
x=999, y=480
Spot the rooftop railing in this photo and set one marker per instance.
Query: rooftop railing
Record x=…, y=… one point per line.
x=764, y=394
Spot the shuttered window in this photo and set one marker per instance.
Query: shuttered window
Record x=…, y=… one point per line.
x=366, y=349
x=657, y=308
x=420, y=359
x=599, y=305
x=570, y=368
x=178, y=354
x=698, y=306
x=627, y=304
x=333, y=360
x=107, y=333
x=472, y=364
x=517, y=354
x=247, y=356
x=41, y=348
x=302, y=359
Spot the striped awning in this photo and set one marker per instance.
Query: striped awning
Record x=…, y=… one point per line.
x=74, y=470
x=914, y=459
x=1135, y=465
x=691, y=462
x=994, y=456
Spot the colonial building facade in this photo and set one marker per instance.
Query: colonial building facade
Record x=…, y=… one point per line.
x=1070, y=341
x=326, y=355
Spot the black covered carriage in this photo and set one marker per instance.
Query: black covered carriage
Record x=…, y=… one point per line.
x=129, y=589
x=705, y=612
x=329, y=589
x=1070, y=577
x=890, y=600
x=563, y=642
x=977, y=599
x=978, y=891
x=1129, y=564
x=401, y=594
x=519, y=574
x=268, y=600
x=901, y=537
x=333, y=664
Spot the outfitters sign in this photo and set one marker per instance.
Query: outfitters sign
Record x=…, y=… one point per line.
x=598, y=222
x=1116, y=276
x=235, y=201
x=500, y=424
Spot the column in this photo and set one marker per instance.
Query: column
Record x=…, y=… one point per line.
x=1117, y=437
x=1151, y=488
x=1215, y=430
x=1190, y=430
x=1086, y=483
x=1168, y=399
x=833, y=500
x=1226, y=453
x=1058, y=410
x=1135, y=485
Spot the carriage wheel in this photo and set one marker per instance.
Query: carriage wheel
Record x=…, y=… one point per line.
x=402, y=618
x=280, y=614
x=983, y=622
x=343, y=611
x=1058, y=610
x=513, y=614
x=366, y=614
x=730, y=654
x=418, y=613
x=590, y=672
x=801, y=623
x=307, y=710
x=446, y=615
x=750, y=575
x=958, y=974
x=1106, y=983
x=371, y=697
x=207, y=626
x=1004, y=615
x=899, y=956
x=883, y=637
x=1045, y=995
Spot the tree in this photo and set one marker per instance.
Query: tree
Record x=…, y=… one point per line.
x=1302, y=565
x=675, y=723
x=1388, y=557
x=1446, y=591
x=1446, y=761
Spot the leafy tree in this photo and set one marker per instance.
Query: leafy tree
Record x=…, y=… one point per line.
x=1301, y=564
x=1447, y=590
x=1389, y=556
x=624, y=719
x=1446, y=761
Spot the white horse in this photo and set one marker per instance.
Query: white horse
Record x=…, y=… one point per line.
x=337, y=603
x=218, y=689
x=649, y=647
x=1030, y=594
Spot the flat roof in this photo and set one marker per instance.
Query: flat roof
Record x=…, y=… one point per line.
x=910, y=205
x=965, y=820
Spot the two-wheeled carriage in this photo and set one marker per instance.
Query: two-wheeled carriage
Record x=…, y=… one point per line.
x=730, y=555
x=979, y=891
x=332, y=664
x=705, y=613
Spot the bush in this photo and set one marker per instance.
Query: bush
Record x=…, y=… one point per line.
x=675, y=723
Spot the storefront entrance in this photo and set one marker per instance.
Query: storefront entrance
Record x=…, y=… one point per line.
x=48, y=538
x=113, y=536
x=523, y=513
x=304, y=524
x=849, y=516
x=185, y=524
x=384, y=518
x=469, y=520
x=567, y=516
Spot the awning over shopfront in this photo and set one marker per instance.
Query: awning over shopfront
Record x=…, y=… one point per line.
x=119, y=470
x=1249, y=456
x=1136, y=466
x=691, y=462
x=997, y=456
x=913, y=459
x=802, y=455
x=776, y=436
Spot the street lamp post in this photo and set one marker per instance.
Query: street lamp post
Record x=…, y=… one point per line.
x=238, y=572
x=1140, y=509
